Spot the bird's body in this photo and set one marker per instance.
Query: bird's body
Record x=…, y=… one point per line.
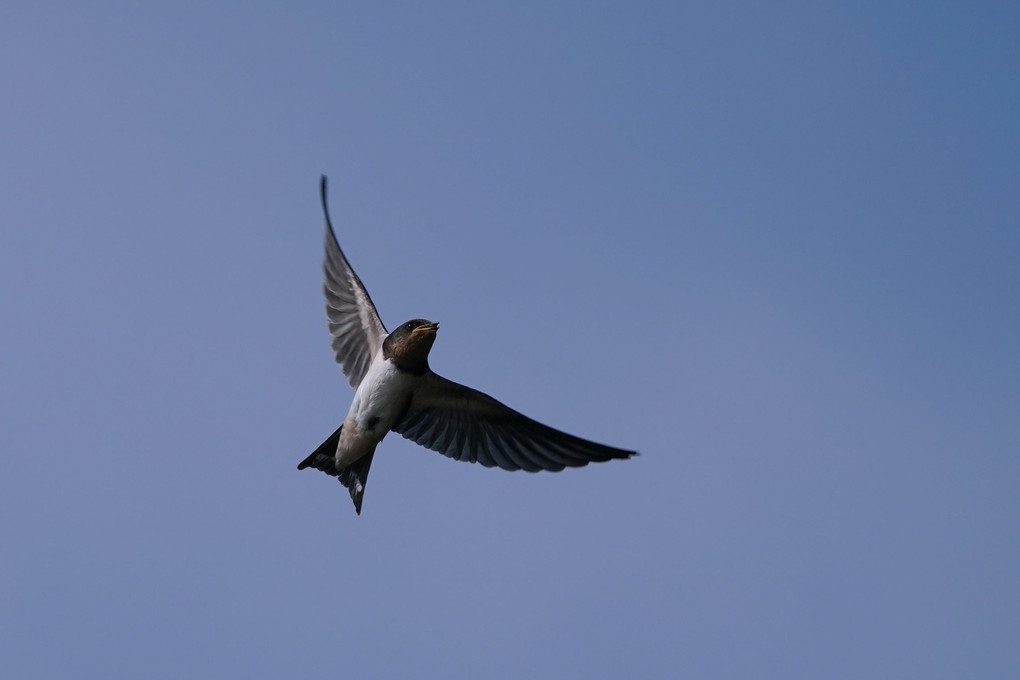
x=377, y=404
x=395, y=389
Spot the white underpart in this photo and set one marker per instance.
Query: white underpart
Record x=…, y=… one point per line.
x=382, y=394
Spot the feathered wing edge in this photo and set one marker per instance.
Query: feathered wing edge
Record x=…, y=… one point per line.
x=468, y=425
x=354, y=321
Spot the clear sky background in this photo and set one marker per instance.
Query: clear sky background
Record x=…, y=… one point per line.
x=774, y=248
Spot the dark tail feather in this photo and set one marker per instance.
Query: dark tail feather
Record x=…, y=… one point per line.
x=323, y=457
x=353, y=476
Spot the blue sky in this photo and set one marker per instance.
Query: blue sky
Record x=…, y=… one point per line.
x=773, y=248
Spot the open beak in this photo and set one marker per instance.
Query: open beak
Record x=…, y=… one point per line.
x=430, y=327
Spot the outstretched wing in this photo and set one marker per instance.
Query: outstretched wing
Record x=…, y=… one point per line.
x=353, y=321
x=468, y=425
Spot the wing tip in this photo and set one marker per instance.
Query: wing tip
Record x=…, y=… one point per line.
x=323, y=194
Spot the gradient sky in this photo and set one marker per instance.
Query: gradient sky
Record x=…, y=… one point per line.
x=774, y=248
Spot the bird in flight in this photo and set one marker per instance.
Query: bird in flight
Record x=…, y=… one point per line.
x=396, y=390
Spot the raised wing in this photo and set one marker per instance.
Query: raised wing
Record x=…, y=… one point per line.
x=353, y=321
x=468, y=425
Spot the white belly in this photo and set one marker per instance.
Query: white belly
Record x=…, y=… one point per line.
x=377, y=403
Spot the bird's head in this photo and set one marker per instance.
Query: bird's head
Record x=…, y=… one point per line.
x=409, y=344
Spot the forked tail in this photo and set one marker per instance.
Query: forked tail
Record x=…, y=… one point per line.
x=353, y=477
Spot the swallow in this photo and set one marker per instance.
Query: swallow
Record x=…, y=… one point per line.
x=395, y=390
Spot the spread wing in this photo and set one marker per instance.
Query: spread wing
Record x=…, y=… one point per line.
x=468, y=425
x=353, y=322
